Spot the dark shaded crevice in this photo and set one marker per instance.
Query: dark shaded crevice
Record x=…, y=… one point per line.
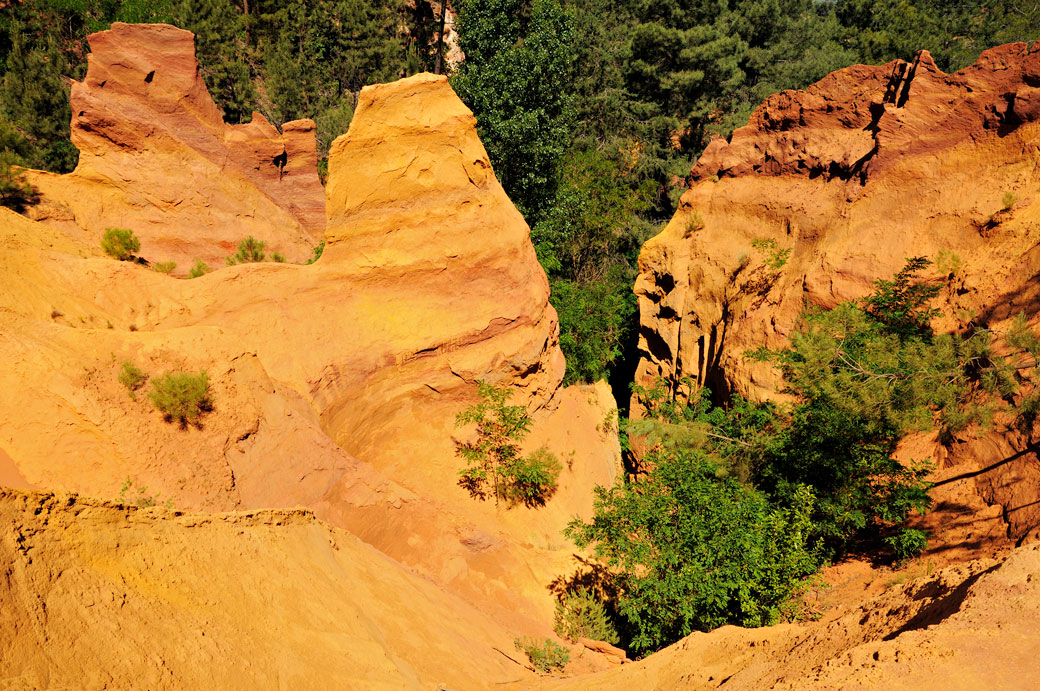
x=911, y=72
x=941, y=608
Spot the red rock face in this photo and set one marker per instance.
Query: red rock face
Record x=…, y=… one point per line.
x=857, y=121
x=867, y=167
x=156, y=156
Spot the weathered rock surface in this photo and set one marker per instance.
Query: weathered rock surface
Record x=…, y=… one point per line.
x=101, y=595
x=867, y=167
x=157, y=157
x=971, y=626
x=335, y=385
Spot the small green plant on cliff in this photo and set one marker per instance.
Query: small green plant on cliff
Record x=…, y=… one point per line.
x=132, y=377
x=948, y=263
x=250, y=250
x=546, y=656
x=1008, y=201
x=199, y=269
x=496, y=468
x=318, y=250
x=773, y=257
x=164, y=267
x=137, y=495
x=181, y=396
x=120, y=243
x=580, y=614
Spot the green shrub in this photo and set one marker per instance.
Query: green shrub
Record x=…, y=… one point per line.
x=250, y=250
x=182, y=396
x=580, y=614
x=137, y=495
x=1008, y=200
x=773, y=257
x=120, y=243
x=132, y=377
x=199, y=269
x=278, y=257
x=531, y=480
x=318, y=250
x=692, y=551
x=907, y=543
x=545, y=657
x=496, y=467
x=165, y=267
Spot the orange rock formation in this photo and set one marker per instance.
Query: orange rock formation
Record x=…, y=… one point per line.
x=335, y=385
x=865, y=168
x=157, y=157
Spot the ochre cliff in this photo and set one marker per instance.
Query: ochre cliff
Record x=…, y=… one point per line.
x=863, y=169
x=335, y=385
x=157, y=157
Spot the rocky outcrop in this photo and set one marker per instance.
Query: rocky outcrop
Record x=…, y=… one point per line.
x=969, y=626
x=859, y=121
x=336, y=384
x=867, y=167
x=157, y=157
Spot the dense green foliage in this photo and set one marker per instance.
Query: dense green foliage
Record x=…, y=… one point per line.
x=181, y=396
x=738, y=504
x=496, y=468
x=120, y=243
x=605, y=127
x=693, y=551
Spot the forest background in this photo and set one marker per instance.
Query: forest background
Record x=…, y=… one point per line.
x=592, y=111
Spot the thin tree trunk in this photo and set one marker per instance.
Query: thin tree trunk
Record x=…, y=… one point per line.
x=440, y=39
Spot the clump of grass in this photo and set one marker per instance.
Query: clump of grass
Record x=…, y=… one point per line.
x=200, y=269
x=132, y=377
x=137, y=495
x=120, y=243
x=181, y=396
x=546, y=656
x=1008, y=200
x=164, y=267
x=580, y=614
